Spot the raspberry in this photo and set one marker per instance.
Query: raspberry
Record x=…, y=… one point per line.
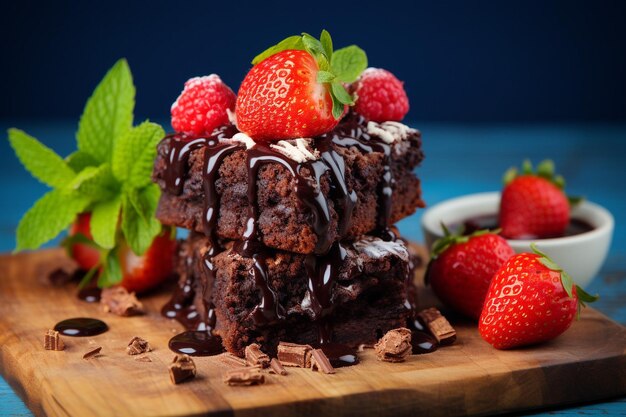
x=202, y=105
x=380, y=96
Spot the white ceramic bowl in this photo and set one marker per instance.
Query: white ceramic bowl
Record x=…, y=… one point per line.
x=581, y=255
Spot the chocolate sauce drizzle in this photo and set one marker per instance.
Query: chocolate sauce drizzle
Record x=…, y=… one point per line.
x=321, y=267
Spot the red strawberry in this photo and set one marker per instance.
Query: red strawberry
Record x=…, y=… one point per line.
x=534, y=205
x=462, y=268
x=202, y=106
x=530, y=300
x=144, y=272
x=380, y=96
x=85, y=254
x=280, y=98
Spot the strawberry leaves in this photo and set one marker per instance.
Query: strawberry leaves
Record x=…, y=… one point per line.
x=449, y=239
x=109, y=176
x=566, y=279
x=336, y=67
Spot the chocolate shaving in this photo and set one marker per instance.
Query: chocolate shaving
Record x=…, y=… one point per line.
x=93, y=353
x=292, y=354
x=118, y=301
x=255, y=356
x=244, y=377
x=320, y=362
x=137, y=346
x=394, y=346
x=233, y=360
x=276, y=367
x=438, y=325
x=143, y=359
x=182, y=368
x=52, y=341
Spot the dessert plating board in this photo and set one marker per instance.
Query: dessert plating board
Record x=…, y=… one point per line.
x=587, y=363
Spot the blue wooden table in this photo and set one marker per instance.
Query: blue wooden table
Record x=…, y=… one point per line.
x=460, y=160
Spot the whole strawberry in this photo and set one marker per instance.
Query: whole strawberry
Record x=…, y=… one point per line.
x=530, y=300
x=380, y=96
x=202, y=106
x=462, y=267
x=533, y=205
x=295, y=88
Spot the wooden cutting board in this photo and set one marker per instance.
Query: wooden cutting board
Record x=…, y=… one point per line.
x=587, y=363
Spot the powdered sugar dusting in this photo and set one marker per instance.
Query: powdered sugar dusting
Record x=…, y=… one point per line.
x=299, y=150
x=378, y=248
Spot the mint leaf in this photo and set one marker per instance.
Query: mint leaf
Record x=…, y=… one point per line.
x=111, y=272
x=134, y=154
x=42, y=162
x=342, y=95
x=348, y=63
x=48, y=217
x=96, y=183
x=141, y=228
x=292, y=42
x=108, y=113
x=80, y=160
x=104, y=219
x=327, y=43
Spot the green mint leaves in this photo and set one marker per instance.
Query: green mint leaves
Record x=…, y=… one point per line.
x=336, y=67
x=109, y=176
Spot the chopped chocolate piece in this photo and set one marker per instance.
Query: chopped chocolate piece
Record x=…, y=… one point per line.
x=52, y=341
x=57, y=271
x=118, y=301
x=276, y=367
x=143, y=359
x=394, y=346
x=255, y=356
x=244, y=377
x=233, y=360
x=292, y=354
x=438, y=325
x=137, y=346
x=182, y=368
x=320, y=362
x=92, y=353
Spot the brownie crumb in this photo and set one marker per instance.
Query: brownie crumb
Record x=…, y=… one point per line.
x=93, y=353
x=137, y=346
x=293, y=354
x=438, y=325
x=143, y=359
x=320, y=362
x=182, y=368
x=52, y=341
x=276, y=367
x=244, y=377
x=118, y=301
x=255, y=356
x=394, y=346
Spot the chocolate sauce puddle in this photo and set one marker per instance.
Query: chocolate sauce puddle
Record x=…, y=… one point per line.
x=89, y=294
x=196, y=343
x=81, y=326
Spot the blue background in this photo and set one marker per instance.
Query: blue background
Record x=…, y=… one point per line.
x=490, y=83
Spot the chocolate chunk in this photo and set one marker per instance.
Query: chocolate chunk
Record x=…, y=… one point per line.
x=52, y=341
x=320, y=362
x=93, y=353
x=244, y=377
x=438, y=326
x=233, y=360
x=276, y=367
x=255, y=356
x=118, y=301
x=292, y=354
x=182, y=368
x=394, y=346
x=137, y=346
x=143, y=359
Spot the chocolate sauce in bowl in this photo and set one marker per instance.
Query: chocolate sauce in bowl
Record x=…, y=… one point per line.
x=81, y=326
x=490, y=221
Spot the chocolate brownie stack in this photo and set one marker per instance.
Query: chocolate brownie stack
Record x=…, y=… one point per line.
x=291, y=241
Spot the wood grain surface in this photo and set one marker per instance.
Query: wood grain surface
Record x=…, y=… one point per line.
x=587, y=363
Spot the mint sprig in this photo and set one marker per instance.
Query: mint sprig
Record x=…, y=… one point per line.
x=108, y=175
x=337, y=68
